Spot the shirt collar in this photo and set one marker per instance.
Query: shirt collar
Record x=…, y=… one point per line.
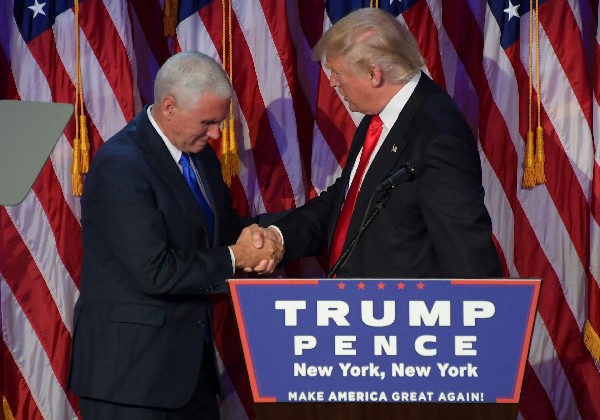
x=392, y=110
x=175, y=152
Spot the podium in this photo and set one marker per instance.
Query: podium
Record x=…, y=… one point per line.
x=385, y=348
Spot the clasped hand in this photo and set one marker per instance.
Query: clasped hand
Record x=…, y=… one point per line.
x=258, y=249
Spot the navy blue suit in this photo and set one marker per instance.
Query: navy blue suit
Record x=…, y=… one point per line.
x=148, y=272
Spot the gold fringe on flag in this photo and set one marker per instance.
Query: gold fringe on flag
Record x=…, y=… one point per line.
x=170, y=17
x=535, y=158
x=374, y=4
x=229, y=153
x=8, y=415
x=592, y=341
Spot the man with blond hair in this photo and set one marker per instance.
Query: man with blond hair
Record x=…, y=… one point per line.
x=433, y=226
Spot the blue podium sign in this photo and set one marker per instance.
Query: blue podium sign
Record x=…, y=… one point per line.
x=372, y=340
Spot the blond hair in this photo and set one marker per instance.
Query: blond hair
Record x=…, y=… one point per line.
x=372, y=37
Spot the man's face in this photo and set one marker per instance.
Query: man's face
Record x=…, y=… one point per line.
x=193, y=125
x=354, y=88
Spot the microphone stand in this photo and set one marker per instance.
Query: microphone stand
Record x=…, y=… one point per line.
x=365, y=223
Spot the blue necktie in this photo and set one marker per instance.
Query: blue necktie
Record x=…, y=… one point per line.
x=190, y=178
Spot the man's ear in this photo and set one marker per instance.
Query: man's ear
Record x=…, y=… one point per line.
x=377, y=76
x=167, y=106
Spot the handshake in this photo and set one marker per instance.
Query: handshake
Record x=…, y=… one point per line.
x=258, y=249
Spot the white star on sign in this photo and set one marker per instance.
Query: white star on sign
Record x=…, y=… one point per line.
x=512, y=11
x=37, y=8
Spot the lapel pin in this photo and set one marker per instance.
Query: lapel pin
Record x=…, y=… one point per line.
x=394, y=148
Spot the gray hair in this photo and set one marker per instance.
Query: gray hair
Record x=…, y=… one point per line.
x=368, y=37
x=187, y=75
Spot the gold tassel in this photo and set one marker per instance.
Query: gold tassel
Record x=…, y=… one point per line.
x=592, y=341
x=529, y=171
x=229, y=160
x=225, y=153
x=76, y=177
x=8, y=415
x=77, y=181
x=76, y=170
x=233, y=151
x=81, y=143
x=229, y=157
x=533, y=165
x=534, y=171
x=540, y=158
x=85, y=145
x=170, y=17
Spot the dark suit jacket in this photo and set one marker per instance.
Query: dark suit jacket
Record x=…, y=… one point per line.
x=148, y=271
x=436, y=226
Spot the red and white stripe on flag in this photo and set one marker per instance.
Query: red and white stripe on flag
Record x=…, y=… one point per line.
x=293, y=136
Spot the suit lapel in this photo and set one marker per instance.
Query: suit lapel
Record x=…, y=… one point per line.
x=157, y=155
x=164, y=167
x=390, y=156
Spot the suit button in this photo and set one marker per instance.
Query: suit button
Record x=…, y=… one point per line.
x=200, y=324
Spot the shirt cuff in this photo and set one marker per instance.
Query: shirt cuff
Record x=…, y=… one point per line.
x=232, y=260
x=278, y=231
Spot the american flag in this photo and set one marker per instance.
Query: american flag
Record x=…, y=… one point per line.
x=293, y=133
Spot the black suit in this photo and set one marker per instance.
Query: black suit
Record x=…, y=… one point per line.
x=436, y=226
x=148, y=271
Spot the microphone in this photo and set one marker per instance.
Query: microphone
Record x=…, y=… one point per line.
x=407, y=172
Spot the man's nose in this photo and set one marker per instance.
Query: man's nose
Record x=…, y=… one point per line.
x=214, y=131
x=333, y=80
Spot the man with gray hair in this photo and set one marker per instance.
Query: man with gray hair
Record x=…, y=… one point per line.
x=434, y=225
x=159, y=237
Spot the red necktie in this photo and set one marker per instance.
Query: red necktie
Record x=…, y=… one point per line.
x=339, y=236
